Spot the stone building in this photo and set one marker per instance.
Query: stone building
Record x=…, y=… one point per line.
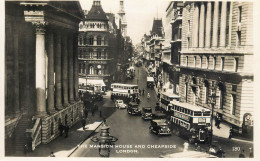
x=41, y=90
x=172, y=47
x=95, y=59
x=217, y=53
x=156, y=45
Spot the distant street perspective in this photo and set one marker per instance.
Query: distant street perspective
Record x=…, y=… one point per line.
x=79, y=84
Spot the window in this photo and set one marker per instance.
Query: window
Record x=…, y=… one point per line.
x=238, y=38
x=187, y=61
x=221, y=96
x=207, y=62
x=105, y=41
x=91, y=40
x=188, y=26
x=194, y=63
x=200, y=62
x=239, y=14
x=222, y=63
x=91, y=53
x=98, y=54
x=85, y=40
x=189, y=44
x=214, y=62
x=236, y=64
x=233, y=104
x=91, y=70
x=206, y=92
x=80, y=40
x=186, y=92
x=98, y=40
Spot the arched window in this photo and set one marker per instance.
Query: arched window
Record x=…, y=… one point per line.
x=91, y=40
x=99, y=40
x=91, y=53
x=98, y=53
x=91, y=69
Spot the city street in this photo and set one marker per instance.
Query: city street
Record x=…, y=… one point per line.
x=133, y=133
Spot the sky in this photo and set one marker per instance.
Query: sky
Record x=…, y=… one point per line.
x=139, y=14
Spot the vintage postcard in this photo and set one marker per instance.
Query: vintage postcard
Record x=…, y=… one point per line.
x=132, y=79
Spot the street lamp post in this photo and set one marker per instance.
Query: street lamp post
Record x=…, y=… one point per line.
x=213, y=97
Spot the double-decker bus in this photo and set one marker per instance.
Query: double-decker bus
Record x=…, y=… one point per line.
x=121, y=91
x=165, y=100
x=190, y=121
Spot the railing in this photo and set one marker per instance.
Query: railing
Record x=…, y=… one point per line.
x=34, y=133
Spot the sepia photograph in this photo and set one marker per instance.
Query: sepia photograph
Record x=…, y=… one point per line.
x=104, y=79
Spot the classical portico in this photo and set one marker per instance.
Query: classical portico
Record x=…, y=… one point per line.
x=56, y=58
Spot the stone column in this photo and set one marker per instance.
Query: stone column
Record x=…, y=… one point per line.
x=195, y=25
x=58, y=70
x=75, y=62
x=71, y=68
x=202, y=24
x=208, y=25
x=64, y=47
x=223, y=24
x=50, y=52
x=40, y=68
x=215, y=25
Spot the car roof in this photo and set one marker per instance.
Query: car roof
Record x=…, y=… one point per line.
x=160, y=122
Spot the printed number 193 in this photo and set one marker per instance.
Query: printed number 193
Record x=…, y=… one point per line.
x=236, y=148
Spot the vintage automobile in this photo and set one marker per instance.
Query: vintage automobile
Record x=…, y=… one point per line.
x=120, y=104
x=133, y=109
x=147, y=113
x=160, y=127
x=150, y=82
x=157, y=107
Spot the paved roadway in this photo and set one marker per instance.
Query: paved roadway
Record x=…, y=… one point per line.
x=132, y=131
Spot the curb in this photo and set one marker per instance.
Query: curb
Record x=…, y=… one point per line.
x=85, y=139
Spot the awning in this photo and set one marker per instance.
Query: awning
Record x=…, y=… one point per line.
x=82, y=81
x=96, y=82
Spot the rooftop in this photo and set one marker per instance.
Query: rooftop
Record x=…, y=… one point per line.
x=96, y=12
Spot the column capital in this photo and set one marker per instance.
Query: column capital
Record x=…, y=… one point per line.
x=40, y=26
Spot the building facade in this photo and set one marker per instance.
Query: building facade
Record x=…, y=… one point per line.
x=95, y=59
x=217, y=53
x=156, y=46
x=41, y=71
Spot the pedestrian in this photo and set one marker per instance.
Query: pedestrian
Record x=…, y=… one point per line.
x=158, y=96
x=25, y=149
x=66, y=129
x=220, y=153
x=196, y=146
x=242, y=154
x=52, y=154
x=230, y=133
x=251, y=154
x=61, y=128
x=185, y=146
x=140, y=92
x=83, y=123
x=143, y=91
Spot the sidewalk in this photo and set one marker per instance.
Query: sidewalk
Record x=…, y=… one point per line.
x=63, y=147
